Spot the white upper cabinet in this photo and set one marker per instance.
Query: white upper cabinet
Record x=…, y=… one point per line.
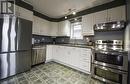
x=113, y=14
x=87, y=25
x=117, y=14
x=64, y=28
x=24, y=13
x=36, y=29
x=41, y=26
x=53, y=28
x=100, y=17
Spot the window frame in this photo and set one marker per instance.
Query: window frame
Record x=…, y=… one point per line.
x=72, y=31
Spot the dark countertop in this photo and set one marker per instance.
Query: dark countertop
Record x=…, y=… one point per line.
x=38, y=46
x=74, y=45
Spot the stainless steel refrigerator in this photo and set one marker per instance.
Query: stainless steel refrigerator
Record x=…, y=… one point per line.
x=15, y=46
x=128, y=26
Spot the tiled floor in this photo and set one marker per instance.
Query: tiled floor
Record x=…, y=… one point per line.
x=51, y=73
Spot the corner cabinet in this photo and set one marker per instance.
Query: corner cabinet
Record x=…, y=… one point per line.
x=53, y=29
x=64, y=28
x=87, y=25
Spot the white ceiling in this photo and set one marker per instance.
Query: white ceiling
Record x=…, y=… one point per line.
x=58, y=8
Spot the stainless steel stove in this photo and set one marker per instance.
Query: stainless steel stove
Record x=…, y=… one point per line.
x=110, y=62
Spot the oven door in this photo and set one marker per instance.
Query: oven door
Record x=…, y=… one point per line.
x=109, y=75
x=113, y=60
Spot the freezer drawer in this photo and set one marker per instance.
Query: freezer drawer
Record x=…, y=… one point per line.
x=13, y=63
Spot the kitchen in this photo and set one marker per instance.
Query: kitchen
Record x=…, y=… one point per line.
x=64, y=42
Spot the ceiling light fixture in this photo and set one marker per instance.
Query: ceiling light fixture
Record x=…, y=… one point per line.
x=75, y=19
x=74, y=13
x=70, y=11
x=65, y=17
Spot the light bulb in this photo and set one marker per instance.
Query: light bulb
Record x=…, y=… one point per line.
x=65, y=17
x=75, y=19
x=74, y=13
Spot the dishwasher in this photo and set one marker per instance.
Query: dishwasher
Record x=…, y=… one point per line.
x=38, y=54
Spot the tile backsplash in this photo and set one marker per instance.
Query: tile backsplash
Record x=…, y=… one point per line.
x=62, y=40
x=40, y=39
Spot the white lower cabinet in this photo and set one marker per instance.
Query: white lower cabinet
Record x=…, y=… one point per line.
x=74, y=57
x=49, y=52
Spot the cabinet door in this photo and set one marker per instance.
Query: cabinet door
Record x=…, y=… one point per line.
x=53, y=28
x=36, y=28
x=49, y=53
x=68, y=55
x=64, y=28
x=77, y=56
x=100, y=17
x=87, y=25
x=116, y=14
x=61, y=54
x=26, y=14
x=55, y=52
x=85, y=59
x=41, y=26
x=74, y=56
x=44, y=27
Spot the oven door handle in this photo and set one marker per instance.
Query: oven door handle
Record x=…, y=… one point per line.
x=111, y=70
